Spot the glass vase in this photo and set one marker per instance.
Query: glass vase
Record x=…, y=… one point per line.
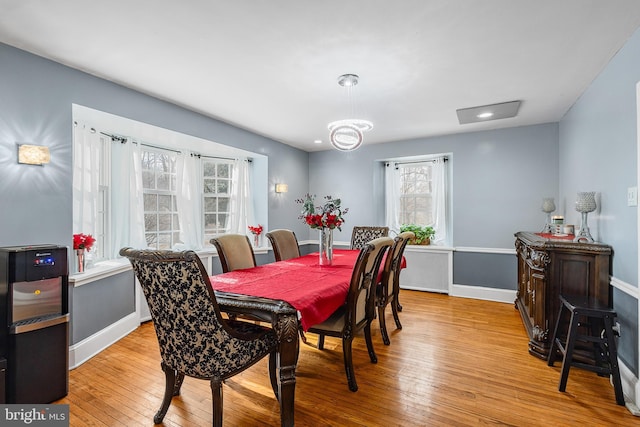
x=256, y=240
x=80, y=257
x=326, y=246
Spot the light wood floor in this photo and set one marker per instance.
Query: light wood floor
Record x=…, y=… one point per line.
x=456, y=362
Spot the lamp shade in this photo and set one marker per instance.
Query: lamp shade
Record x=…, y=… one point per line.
x=586, y=201
x=548, y=205
x=33, y=154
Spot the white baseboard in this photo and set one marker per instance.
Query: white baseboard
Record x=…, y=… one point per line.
x=480, y=292
x=630, y=388
x=89, y=347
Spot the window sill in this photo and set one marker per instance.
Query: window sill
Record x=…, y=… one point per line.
x=105, y=269
x=101, y=270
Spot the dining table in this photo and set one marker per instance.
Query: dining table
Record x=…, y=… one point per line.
x=291, y=295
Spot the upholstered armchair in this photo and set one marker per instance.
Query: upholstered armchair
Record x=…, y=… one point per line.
x=389, y=287
x=284, y=244
x=194, y=339
x=363, y=234
x=359, y=309
x=235, y=252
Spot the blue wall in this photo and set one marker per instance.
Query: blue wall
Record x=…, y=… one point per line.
x=598, y=152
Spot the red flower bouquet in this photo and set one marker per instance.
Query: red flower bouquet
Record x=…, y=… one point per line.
x=256, y=230
x=327, y=216
x=83, y=241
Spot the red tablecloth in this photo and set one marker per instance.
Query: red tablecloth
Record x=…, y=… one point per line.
x=315, y=291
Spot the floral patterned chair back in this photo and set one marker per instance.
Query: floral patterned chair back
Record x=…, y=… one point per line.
x=363, y=234
x=235, y=252
x=194, y=339
x=284, y=243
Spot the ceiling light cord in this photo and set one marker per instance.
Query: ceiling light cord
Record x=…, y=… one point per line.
x=347, y=134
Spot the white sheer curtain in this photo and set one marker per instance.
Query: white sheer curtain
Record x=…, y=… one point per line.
x=392, y=197
x=127, y=198
x=86, y=178
x=439, y=190
x=189, y=199
x=242, y=213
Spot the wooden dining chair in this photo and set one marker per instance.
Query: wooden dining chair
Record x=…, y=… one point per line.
x=284, y=244
x=358, y=311
x=388, y=288
x=362, y=234
x=194, y=339
x=235, y=252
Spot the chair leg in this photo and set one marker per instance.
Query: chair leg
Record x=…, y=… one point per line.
x=178, y=384
x=370, y=349
x=613, y=360
x=348, y=363
x=395, y=309
x=216, y=400
x=551, y=359
x=568, y=355
x=169, y=388
x=383, y=325
x=273, y=373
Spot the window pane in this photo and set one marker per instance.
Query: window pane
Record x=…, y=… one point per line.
x=164, y=222
x=209, y=221
x=151, y=240
x=223, y=204
x=224, y=171
x=209, y=185
x=150, y=222
x=222, y=220
x=209, y=169
x=164, y=203
x=223, y=186
x=210, y=204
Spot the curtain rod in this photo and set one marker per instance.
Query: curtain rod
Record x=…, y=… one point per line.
x=123, y=140
x=214, y=157
x=417, y=161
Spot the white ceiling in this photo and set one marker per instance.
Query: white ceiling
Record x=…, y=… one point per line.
x=271, y=66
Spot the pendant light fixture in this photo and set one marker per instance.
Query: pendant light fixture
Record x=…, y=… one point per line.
x=347, y=134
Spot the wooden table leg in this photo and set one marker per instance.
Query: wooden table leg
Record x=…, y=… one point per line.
x=286, y=328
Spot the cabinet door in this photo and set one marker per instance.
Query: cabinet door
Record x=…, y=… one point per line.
x=539, y=311
x=585, y=275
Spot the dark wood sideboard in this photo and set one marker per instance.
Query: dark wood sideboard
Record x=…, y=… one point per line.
x=548, y=267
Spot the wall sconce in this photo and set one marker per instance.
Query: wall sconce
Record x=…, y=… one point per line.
x=282, y=188
x=33, y=154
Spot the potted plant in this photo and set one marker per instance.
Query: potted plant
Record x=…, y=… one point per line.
x=423, y=233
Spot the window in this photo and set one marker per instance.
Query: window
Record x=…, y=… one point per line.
x=417, y=192
x=161, y=226
x=217, y=181
x=160, y=192
x=416, y=199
